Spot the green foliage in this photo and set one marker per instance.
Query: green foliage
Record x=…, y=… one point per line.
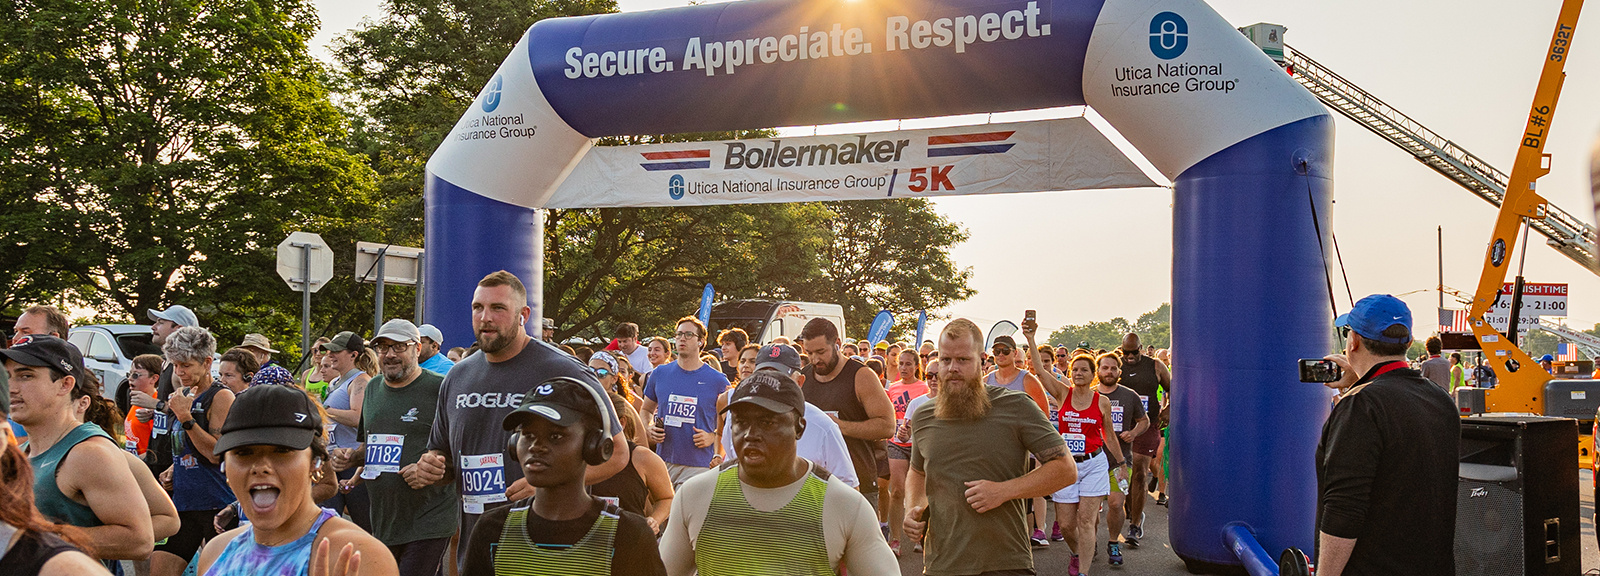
x=154, y=153
x=1154, y=329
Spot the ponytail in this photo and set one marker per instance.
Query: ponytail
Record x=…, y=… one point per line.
x=103, y=412
x=16, y=501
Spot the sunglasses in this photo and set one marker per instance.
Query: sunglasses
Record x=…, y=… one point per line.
x=1002, y=350
x=602, y=372
x=1062, y=354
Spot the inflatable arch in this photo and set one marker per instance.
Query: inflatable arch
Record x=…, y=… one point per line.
x=1248, y=150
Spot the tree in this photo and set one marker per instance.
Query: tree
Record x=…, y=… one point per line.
x=155, y=152
x=1154, y=329
x=888, y=255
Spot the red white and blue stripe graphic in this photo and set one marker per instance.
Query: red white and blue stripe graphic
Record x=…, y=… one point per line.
x=1566, y=352
x=970, y=144
x=677, y=160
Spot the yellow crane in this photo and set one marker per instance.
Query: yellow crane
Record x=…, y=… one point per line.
x=1520, y=380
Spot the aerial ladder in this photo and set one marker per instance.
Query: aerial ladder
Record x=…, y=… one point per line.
x=1589, y=343
x=1520, y=380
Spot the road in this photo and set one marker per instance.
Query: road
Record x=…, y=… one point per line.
x=1155, y=557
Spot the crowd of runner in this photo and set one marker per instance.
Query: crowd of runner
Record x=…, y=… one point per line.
x=695, y=453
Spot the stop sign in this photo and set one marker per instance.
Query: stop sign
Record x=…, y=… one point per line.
x=300, y=244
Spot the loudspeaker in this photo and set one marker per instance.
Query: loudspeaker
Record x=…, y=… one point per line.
x=1517, y=500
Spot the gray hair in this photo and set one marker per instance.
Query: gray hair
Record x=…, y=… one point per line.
x=190, y=343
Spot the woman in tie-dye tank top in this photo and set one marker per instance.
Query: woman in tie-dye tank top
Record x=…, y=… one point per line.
x=272, y=446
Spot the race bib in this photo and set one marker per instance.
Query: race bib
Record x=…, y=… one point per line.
x=383, y=454
x=1145, y=401
x=612, y=501
x=681, y=410
x=1075, y=442
x=1116, y=417
x=158, y=425
x=131, y=444
x=483, y=481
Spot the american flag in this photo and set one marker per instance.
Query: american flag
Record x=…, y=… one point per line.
x=1566, y=352
x=1454, y=321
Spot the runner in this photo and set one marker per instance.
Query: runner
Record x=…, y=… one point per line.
x=682, y=405
x=1146, y=376
x=237, y=369
x=414, y=520
x=80, y=476
x=643, y=485
x=268, y=371
x=163, y=324
x=346, y=395
x=1009, y=374
x=560, y=430
x=800, y=519
x=273, y=447
x=968, y=474
x=196, y=411
x=822, y=443
x=142, y=378
x=467, y=442
x=732, y=341
x=901, y=393
x=29, y=542
x=1085, y=423
x=853, y=398
x=627, y=335
x=1125, y=408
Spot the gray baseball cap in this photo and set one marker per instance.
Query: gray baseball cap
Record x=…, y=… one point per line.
x=431, y=333
x=780, y=357
x=398, y=330
x=177, y=314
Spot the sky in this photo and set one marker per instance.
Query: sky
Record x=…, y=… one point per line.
x=1466, y=69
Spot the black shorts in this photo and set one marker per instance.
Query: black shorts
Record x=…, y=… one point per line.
x=195, y=529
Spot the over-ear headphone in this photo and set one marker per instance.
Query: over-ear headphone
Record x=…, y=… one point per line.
x=597, y=447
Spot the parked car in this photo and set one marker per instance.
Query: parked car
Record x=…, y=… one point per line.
x=764, y=320
x=108, y=350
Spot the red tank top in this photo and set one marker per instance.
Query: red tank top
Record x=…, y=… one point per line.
x=1084, y=430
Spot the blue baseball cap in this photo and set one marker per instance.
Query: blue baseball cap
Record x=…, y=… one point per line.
x=1547, y=358
x=1374, y=314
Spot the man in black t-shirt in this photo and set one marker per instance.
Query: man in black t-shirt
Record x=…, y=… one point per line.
x=1387, y=461
x=559, y=430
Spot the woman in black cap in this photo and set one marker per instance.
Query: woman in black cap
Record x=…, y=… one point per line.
x=272, y=448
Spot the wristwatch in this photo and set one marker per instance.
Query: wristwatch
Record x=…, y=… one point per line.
x=187, y=424
x=161, y=406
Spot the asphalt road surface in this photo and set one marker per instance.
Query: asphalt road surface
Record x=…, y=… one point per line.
x=1155, y=556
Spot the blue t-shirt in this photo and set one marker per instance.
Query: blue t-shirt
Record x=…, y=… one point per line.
x=685, y=401
x=438, y=363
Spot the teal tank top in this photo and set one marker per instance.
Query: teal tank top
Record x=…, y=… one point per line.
x=790, y=539
x=515, y=555
x=47, y=495
x=243, y=555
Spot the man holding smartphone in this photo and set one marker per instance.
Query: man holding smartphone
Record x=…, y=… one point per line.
x=1390, y=444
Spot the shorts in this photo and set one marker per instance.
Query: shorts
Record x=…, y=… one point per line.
x=1147, y=444
x=1092, y=481
x=194, y=529
x=680, y=473
x=897, y=452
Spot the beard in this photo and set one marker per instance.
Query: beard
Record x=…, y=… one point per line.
x=961, y=398
x=501, y=341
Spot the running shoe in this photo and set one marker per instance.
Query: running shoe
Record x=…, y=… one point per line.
x=1072, y=568
x=1152, y=484
x=885, y=527
x=1039, y=539
x=1161, y=499
x=1055, y=533
x=1134, y=534
x=1114, y=553
x=916, y=548
x=895, y=546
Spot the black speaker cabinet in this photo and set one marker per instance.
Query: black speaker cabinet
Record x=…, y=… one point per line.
x=1517, y=501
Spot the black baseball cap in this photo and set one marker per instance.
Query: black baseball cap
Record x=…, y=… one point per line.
x=1007, y=340
x=769, y=389
x=346, y=341
x=47, y=352
x=271, y=415
x=780, y=357
x=563, y=401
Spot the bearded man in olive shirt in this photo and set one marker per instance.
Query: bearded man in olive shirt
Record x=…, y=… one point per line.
x=968, y=477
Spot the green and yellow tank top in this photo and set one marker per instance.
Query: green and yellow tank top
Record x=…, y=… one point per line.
x=737, y=540
x=515, y=555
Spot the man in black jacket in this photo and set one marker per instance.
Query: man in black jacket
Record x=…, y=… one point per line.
x=1386, y=465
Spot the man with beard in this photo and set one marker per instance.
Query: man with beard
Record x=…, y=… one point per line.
x=969, y=476
x=851, y=394
x=1144, y=375
x=467, y=442
x=415, y=520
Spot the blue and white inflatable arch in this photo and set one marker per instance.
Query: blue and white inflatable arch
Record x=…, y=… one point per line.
x=1249, y=152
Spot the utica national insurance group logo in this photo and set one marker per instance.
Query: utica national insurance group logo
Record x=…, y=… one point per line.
x=1169, y=35
x=491, y=94
x=675, y=187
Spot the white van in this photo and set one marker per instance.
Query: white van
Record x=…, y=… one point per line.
x=764, y=320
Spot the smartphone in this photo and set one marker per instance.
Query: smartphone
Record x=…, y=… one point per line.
x=1030, y=316
x=1319, y=370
